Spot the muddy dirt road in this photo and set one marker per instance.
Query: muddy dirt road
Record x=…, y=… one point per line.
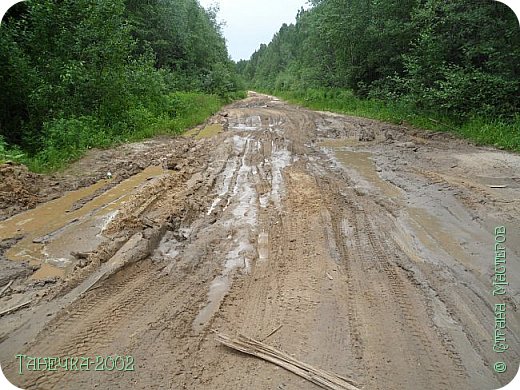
x=367, y=247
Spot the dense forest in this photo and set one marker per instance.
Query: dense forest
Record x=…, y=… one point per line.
x=76, y=74
x=435, y=63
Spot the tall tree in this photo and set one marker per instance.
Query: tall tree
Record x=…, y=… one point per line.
x=460, y=56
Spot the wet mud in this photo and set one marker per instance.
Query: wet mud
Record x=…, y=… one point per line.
x=356, y=246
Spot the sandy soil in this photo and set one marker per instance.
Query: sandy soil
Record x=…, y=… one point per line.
x=368, y=247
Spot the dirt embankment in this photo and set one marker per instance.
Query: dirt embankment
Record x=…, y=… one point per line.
x=359, y=247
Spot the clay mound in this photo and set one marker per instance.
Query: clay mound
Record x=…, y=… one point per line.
x=19, y=189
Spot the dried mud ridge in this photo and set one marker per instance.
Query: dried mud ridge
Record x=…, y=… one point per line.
x=358, y=247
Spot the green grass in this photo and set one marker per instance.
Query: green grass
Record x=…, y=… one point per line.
x=8, y=153
x=191, y=109
x=67, y=140
x=483, y=131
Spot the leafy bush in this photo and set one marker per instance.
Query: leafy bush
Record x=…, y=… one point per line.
x=77, y=74
x=455, y=58
x=8, y=153
x=502, y=133
x=470, y=91
x=64, y=140
x=74, y=133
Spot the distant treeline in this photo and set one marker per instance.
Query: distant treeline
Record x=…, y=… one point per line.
x=81, y=73
x=456, y=57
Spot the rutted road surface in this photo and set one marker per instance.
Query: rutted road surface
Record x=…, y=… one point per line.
x=367, y=247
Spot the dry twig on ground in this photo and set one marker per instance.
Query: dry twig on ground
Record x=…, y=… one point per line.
x=322, y=378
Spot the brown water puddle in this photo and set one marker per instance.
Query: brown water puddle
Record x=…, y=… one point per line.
x=362, y=163
x=207, y=132
x=47, y=270
x=218, y=289
x=52, y=230
x=263, y=246
x=210, y=131
x=432, y=233
x=429, y=229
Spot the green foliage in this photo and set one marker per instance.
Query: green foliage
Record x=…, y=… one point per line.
x=191, y=108
x=459, y=58
x=186, y=38
x=504, y=135
x=77, y=74
x=8, y=153
x=65, y=140
x=501, y=133
x=465, y=58
x=222, y=80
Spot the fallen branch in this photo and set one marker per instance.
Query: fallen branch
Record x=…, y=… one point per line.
x=6, y=287
x=322, y=378
x=273, y=332
x=14, y=308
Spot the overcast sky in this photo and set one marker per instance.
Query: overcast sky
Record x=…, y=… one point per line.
x=252, y=22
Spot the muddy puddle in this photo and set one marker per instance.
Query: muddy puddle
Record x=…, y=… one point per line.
x=434, y=233
x=218, y=289
x=280, y=159
x=228, y=173
x=206, y=132
x=361, y=163
x=53, y=230
x=431, y=233
x=263, y=246
x=238, y=258
x=241, y=206
x=246, y=124
x=210, y=131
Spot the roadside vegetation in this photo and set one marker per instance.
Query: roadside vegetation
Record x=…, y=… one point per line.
x=443, y=65
x=501, y=133
x=77, y=74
